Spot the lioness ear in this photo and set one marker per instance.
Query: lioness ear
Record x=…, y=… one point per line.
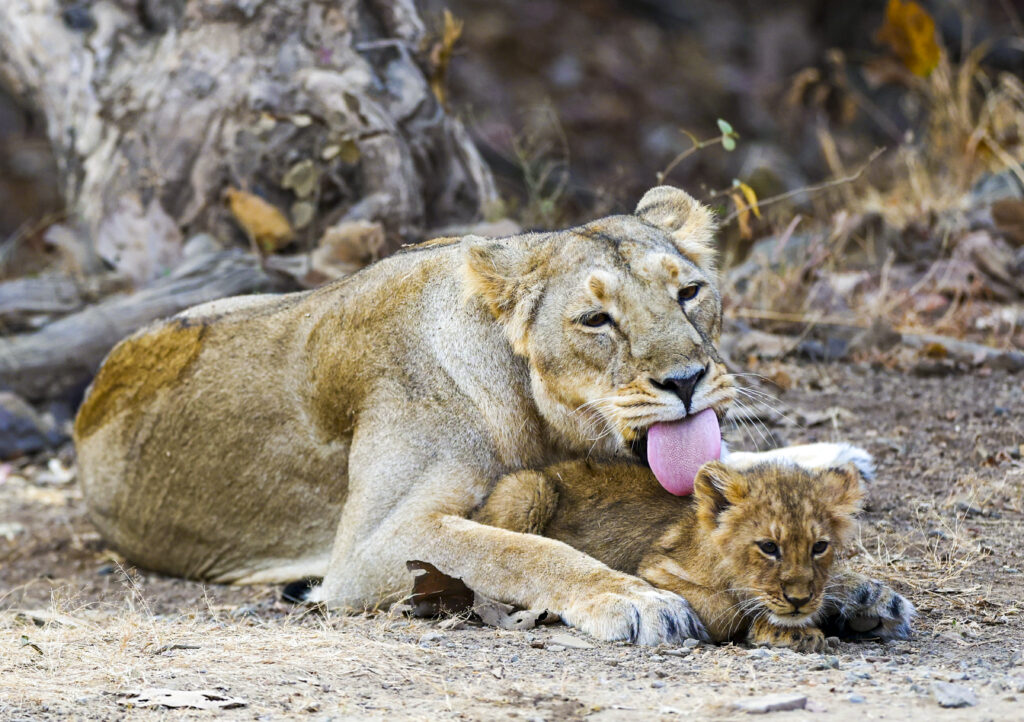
x=504, y=273
x=690, y=223
x=715, y=489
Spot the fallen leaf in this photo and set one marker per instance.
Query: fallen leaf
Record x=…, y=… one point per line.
x=265, y=225
x=301, y=178
x=181, y=698
x=1008, y=215
x=742, y=215
x=749, y=195
x=910, y=32
x=435, y=594
x=505, y=616
x=441, y=54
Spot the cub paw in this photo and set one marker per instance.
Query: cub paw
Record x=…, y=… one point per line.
x=799, y=639
x=872, y=610
x=645, y=616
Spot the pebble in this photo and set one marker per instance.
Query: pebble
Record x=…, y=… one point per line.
x=827, y=661
x=657, y=684
x=679, y=652
x=856, y=699
x=431, y=637
x=691, y=643
x=771, y=703
x=759, y=653
x=953, y=695
x=569, y=642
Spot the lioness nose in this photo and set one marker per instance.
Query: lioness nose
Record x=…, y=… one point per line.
x=797, y=602
x=682, y=386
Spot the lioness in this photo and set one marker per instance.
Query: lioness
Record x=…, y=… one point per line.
x=341, y=432
x=752, y=550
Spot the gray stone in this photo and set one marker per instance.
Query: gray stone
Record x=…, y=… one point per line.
x=691, y=643
x=22, y=430
x=569, y=642
x=952, y=695
x=771, y=703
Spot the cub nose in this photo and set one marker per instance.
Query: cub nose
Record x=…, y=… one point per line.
x=682, y=386
x=797, y=602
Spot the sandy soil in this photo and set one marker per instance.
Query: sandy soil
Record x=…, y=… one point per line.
x=943, y=525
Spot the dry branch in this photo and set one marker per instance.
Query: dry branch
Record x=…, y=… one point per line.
x=63, y=356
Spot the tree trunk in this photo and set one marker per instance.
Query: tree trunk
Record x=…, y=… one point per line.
x=319, y=113
x=321, y=107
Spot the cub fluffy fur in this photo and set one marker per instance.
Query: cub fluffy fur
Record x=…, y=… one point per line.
x=341, y=432
x=752, y=550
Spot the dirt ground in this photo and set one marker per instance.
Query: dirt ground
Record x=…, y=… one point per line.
x=78, y=630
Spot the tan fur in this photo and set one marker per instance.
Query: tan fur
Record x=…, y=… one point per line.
x=344, y=431
x=704, y=547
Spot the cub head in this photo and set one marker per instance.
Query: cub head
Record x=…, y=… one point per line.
x=778, y=528
x=617, y=319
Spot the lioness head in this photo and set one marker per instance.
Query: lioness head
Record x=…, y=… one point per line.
x=778, y=528
x=618, y=318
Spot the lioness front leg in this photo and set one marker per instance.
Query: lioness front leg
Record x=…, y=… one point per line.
x=528, y=571
x=763, y=632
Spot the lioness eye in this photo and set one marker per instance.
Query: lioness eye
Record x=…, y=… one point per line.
x=819, y=547
x=769, y=547
x=595, y=320
x=688, y=293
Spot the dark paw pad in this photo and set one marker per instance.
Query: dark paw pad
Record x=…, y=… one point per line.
x=298, y=591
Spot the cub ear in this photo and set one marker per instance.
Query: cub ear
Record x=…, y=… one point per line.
x=843, y=488
x=716, y=488
x=503, y=272
x=690, y=223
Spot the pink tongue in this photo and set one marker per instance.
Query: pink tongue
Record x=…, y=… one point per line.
x=676, y=450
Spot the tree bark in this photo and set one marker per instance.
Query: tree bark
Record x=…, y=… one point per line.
x=156, y=109
x=321, y=107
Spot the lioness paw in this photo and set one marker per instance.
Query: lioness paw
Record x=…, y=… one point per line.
x=646, y=616
x=873, y=610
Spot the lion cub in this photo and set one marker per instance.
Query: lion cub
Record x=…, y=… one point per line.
x=753, y=551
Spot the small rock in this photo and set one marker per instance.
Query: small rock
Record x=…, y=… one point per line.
x=569, y=642
x=554, y=648
x=771, y=703
x=657, y=684
x=953, y=695
x=856, y=699
x=431, y=637
x=691, y=643
x=759, y=653
x=678, y=652
x=22, y=430
x=827, y=661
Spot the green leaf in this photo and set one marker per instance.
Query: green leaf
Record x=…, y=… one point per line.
x=723, y=125
x=728, y=143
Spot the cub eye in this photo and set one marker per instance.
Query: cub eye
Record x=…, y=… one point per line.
x=819, y=547
x=596, y=320
x=688, y=293
x=769, y=547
